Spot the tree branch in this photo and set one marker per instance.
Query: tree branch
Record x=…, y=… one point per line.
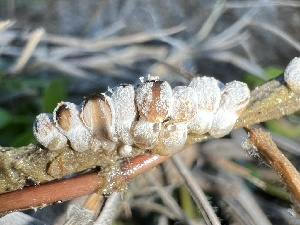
x=33, y=164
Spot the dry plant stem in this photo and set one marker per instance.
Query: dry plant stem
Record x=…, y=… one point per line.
x=94, y=202
x=5, y=24
x=109, y=210
x=271, y=100
x=28, y=50
x=197, y=193
x=30, y=197
x=268, y=150
x=97, y=45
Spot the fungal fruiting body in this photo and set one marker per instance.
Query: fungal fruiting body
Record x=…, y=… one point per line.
x=152, y=117
x=47, y=134
x=185, y=104
x=67, y=120
x=98, y=115
x=172, y=138
x=145, y=133
x=234, y=99
x=292, y=75
x=209, y=96
x=154, y=100
x=125, y=111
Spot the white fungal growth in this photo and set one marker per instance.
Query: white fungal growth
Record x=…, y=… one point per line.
x=47, y=134
x=145, y=133
x=172, y=138
x=292, y=75
x=235, y=97
x=223, y=123
x=67, y=120
x=152, y=117
x=125, y=111
x=209, y=97
x=154, y=100
x=185, y=104
x=125, y=150
x=208, y=92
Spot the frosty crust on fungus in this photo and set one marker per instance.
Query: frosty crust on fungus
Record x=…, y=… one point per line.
x=145, y=133
x=292, y=75
x=173, y=134
x=171, y=138
x=98, y=115
x=235, y=97
x=154, y=100
x=152, y=117
x=67, y=120
x=209, y=96
x=123, y=98
x=47, y=134
x=185, y=104
x=125, y=111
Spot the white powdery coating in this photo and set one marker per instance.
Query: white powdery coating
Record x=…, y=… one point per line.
x=125, y=110
x=185, y=104
x=235, y=97
x=208, y=93
x=292, y=75
x=77, y=133
x=154, y=100
x=145, y=133
x=125, y=150
x=223, y=123
x=47, y=134
x=172, y=138
x=201, y=123
x=209, y=97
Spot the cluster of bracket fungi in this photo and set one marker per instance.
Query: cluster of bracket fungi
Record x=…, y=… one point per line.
x=149, y=116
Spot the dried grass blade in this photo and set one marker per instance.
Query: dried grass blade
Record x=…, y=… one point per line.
x=237, y=60
x=31, y=45
x=246, y=199
x=197, y=193
x=280, y=33
x=211, y=20
x=6, y=24
x=108, y=212
x=168, y=200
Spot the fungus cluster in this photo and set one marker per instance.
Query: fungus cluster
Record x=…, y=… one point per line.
x=149, y=116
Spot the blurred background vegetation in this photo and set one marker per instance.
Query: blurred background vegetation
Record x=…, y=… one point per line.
x=87, y=46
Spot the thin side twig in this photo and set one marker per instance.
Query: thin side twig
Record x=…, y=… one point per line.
x=269, y=152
